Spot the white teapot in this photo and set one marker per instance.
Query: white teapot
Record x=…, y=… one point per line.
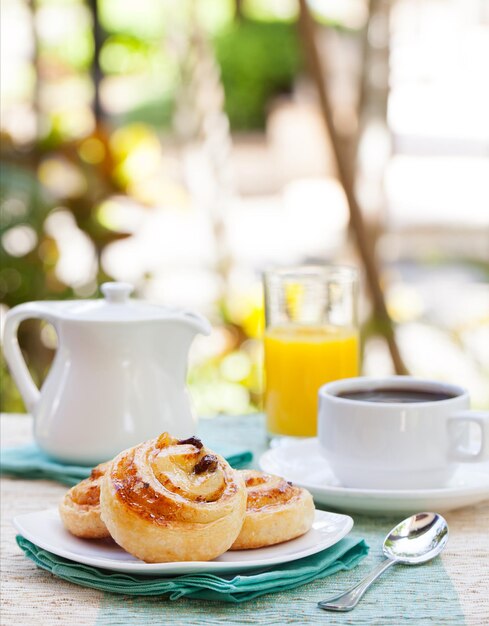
x=118, y=376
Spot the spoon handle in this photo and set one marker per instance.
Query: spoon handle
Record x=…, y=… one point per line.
x=349, y=599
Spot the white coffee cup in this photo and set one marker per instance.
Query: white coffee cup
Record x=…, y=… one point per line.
x=397, y=445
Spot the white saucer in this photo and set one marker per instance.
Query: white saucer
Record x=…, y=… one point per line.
x=302, y=463
x=45, y=529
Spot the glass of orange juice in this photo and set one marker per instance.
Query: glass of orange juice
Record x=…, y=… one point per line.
x=311, y=338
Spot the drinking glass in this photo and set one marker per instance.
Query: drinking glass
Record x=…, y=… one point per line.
x=311, y=338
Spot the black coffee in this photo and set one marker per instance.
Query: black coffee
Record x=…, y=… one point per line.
x=404, y=396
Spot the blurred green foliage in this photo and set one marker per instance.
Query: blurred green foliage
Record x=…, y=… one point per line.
x=23, y=202
x=73, y=165
x=259, y=61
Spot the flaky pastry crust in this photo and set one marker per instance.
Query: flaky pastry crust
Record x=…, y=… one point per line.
x=276, y=511
x=169, y=500
x=80, y=508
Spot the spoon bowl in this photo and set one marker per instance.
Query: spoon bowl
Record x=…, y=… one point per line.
x=415, y=540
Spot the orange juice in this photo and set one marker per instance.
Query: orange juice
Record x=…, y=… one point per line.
x=298, y=360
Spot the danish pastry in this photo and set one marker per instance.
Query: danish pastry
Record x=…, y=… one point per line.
x=276, y=511
x=169, y=500
x=80, y=508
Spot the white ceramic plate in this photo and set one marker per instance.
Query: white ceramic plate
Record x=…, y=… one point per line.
x=45, y=529
x=302, y=463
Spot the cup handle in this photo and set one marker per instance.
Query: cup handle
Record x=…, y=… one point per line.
x=481, y=418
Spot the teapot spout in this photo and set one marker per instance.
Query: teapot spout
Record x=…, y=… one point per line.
x=198, y=322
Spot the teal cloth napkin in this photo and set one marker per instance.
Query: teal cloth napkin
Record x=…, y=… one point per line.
x=344, y=555
x=30, y=462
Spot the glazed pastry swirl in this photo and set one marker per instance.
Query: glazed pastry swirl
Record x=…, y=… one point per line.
x=80, y=508
x=276, y=511
x=172, y=500
x=267, y=490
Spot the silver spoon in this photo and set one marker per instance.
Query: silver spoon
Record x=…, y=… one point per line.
x=415, y=540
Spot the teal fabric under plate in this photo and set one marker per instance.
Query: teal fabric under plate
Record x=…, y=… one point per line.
x=234, y=588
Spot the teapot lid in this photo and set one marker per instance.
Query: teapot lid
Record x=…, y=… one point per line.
x=117, y=306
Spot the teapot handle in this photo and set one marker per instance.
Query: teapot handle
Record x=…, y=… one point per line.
x=13, y=355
